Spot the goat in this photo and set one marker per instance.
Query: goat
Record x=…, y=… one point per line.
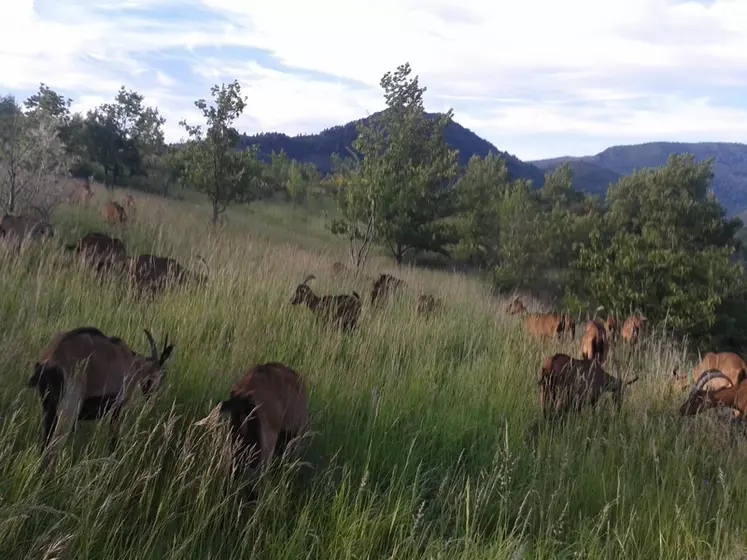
x=267, y=407
x=104, y=252
x=81, y=192
x=83, y=374
x=632, y=328
x=733, y=395
x=611, y=327
x=113, y=213
x=130, y=204
x=341, y=309
x=567, y=384
x=154, y=272
x=731, y=365
x=516, y=307
x=594, y=344
x=427, y=304
x=18, y=228
x=339, y=269
x=542, y=325
x=384, y=286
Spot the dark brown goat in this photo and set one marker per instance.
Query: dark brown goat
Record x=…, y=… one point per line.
x=567, y=384
x=384, y=287
x=16, y=229
x=268, y=407
x=343, y=310
x=732, y=395
x=83, y=374
x=427, y=304
x=102, y=251
x=155, y=273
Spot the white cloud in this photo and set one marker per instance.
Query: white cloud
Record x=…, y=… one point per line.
x=609, y=71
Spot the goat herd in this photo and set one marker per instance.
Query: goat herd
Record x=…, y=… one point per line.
x=84, y=374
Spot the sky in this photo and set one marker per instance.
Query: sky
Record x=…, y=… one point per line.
x=537, y=78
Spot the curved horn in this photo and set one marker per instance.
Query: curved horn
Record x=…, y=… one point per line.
x=153, y=348
x=705, y=378
x=308, y=278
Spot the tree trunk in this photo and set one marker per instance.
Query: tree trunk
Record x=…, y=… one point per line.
x=216, y=212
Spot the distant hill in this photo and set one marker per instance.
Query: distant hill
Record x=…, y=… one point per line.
x=317, y=148
x=594, y=173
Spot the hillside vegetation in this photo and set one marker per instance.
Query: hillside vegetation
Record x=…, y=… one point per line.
x=425, y=438
x=594, y=173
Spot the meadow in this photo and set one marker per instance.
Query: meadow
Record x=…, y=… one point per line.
x=426, y=438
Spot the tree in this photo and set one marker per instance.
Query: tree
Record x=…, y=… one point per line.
x=31, y=161
x=211, y=163
x=122, y=135
x=406, y=170
x=667, y=248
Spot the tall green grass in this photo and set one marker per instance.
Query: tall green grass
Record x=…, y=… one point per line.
x=425, y=444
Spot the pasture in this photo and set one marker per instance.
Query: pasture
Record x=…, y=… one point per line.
x=425, y=443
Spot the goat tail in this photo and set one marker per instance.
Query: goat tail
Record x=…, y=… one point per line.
x=52, y=372
x=36, y=378
x=355, y=295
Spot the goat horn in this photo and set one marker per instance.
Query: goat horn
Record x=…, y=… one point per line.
x=153, y=348
x=705, y=378
x=308, y=278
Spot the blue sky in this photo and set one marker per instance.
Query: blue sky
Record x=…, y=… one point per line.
x=537, y=78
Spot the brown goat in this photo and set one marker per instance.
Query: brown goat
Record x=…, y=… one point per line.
x=102, y=251
x=611, y=326
x=16, y=229
x=113, y=213
x=268, y=407
x=344, y=310
x=384, y=287
x=594, y=344
x=83, y=374
x=81, y=192
x=427, y=304
x=567, y=384
x=542, y=325
x=730, y=395
x=130, y=204
x=155, y=273
x=729, y=364
x=632, y=327
x=516, y=307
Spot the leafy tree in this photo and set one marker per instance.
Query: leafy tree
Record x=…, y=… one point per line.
x=211, y=162
x=406, y=170
x=122, y=135
x=31, y=161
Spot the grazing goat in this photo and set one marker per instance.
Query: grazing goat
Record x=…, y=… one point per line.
x=611, y=326
x=155, y=273
x=102, y=251
x=516, y=307
x=731, y=365
x=730, y=395
x=81, y=193
x=339, y=269
x=594, y=344
x=567, y=384
x=113, y=213
x=83, y=374
x=384, y=286
x=343, y=310
x=427, y=304
x=19, y=228
x=130, y=204
x=632, y=327
x=542, y=325
x=268, y=407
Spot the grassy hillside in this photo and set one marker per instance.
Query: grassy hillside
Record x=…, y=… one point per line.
x=425, y=439
x=317, y=148
x=597, y=171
